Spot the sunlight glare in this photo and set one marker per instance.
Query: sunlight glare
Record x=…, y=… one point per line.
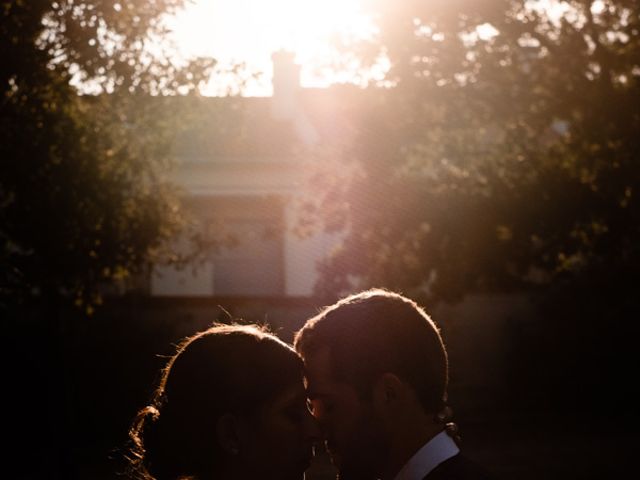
x=554, y=9
x=250, y=31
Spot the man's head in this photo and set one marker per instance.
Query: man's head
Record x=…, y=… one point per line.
x=358, y=349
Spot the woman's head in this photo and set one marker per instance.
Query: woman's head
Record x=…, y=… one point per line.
x=224, y=398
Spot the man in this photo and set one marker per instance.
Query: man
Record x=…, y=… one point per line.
x=377, y=373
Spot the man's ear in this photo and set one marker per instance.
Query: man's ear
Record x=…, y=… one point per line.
x=228, y=433
x=388, y=390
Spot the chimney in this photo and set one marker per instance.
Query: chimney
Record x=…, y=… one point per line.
x=286, y=83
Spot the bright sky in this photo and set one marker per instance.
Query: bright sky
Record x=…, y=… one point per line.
x=250, y=31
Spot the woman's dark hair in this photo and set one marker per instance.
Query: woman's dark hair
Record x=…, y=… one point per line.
x=225, y=369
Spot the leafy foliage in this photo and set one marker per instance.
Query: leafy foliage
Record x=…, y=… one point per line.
x=505, y=156
x=83, y=196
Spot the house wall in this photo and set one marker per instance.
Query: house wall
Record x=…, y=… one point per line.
x=253, y=196
x=246, y=197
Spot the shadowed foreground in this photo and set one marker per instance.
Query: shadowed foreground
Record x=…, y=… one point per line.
x=74, y=390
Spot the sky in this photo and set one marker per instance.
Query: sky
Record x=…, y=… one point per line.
x=249, y=31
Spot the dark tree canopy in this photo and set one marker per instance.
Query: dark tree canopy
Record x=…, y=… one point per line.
x=83, y=197
x=505, y=156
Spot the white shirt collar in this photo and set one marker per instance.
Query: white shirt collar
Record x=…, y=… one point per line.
x=433, y=453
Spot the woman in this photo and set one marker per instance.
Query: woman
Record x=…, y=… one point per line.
x=230, y=405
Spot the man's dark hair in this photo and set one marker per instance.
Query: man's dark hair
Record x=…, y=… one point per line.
x=376, y=332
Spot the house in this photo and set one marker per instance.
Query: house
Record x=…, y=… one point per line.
x=245, y=169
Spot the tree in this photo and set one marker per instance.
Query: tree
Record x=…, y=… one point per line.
x=85, y=144
x=504, y=157
x=83, y=195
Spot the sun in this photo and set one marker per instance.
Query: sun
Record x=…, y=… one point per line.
x=249, y=31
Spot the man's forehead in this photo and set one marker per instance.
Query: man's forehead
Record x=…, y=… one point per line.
x=319, y=377
x=318, y=364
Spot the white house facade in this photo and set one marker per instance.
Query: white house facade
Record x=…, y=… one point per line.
x=251, y=191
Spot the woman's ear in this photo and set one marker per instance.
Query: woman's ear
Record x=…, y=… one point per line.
x=228, y=433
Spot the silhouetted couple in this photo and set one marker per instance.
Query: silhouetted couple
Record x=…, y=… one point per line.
x=232, y=402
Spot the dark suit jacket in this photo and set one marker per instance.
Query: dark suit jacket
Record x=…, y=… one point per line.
x=457, y=468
